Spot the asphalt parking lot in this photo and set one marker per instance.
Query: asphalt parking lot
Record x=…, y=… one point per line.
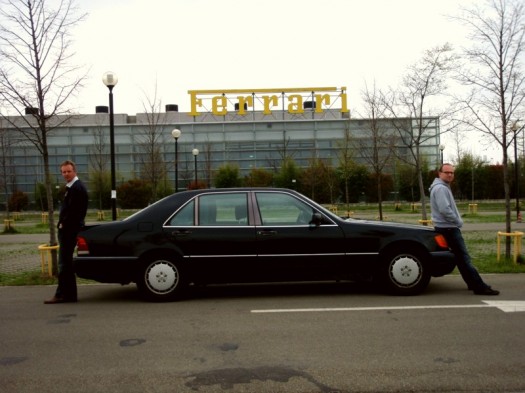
x=302, y=338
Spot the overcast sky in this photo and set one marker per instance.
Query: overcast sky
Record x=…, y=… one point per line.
x=181, y=45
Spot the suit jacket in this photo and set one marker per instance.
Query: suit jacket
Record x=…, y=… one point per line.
x=74, y=207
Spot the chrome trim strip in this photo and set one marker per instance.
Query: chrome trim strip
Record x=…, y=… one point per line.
x=281, y=255
x=244, y=226
x=133, y=258
x=303, y=255
x=86, y=258
x=221, y=256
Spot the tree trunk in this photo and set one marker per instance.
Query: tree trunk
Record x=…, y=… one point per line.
x=50, y=207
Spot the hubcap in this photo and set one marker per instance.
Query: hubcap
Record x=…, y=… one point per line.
x=162, y=277
x=405, y=271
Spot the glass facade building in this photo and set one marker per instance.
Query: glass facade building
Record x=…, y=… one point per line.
x=255, y=140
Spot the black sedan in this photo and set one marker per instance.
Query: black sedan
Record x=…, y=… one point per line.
x=247, y=235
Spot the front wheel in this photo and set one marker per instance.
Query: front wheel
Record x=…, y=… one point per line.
x=161, y=280
x=404, y=273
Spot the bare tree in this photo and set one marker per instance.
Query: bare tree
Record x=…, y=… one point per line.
x=207, y=161
x=411, y=107
x=345, y=155
x=99, y=175
x=459, y=141
x=36, y=72
x=6, y=168
x=285, y=154
x=154, y=169
x=492, y=71
x=314, y=178
x=377, y=150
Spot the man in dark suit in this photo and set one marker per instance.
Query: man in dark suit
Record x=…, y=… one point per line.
x=70, y=221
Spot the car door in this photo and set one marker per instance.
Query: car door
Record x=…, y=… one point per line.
x=288, y=245
x=216, y=236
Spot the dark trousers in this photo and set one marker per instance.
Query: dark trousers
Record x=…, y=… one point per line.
x=467, y=270
x=67, y=282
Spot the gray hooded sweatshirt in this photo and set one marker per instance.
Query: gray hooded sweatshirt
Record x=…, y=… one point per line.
x=445, y=213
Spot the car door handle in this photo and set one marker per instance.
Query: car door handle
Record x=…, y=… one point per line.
x=181, y=232
x=267, y=233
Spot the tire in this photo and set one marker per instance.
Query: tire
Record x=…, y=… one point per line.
x=404, y=273
x=161, y=280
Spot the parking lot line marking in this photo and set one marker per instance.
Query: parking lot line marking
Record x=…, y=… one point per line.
x=505, y=306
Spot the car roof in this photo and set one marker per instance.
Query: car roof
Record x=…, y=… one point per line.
x=181, y=197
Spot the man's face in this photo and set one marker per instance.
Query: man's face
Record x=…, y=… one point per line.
x=447, y=173
x=68, y=173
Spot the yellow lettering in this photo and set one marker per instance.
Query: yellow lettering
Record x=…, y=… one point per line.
x=195, y=102
x=344, y=106
x=321, y=99
x=244, y=100
x=218, y=105
x=296, y=104
x=267, y=101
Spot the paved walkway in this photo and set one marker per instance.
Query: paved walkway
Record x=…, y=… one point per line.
x=19, y=253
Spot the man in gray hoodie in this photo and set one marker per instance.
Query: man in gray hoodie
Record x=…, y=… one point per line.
x=447, y=221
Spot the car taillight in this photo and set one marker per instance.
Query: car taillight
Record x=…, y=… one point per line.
x=82, y=247
x=441, y=241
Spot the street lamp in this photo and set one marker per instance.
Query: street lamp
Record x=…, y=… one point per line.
x=441, y=147
x=176, y=134
x=110, y=80
x=195, y=153
x=514, y=129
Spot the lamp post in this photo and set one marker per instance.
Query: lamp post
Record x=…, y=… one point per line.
x=110, y=80
x=514, y=129
x=176, y=134
x=195, y=153
x=441, y=148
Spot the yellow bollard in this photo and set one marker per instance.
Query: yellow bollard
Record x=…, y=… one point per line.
x=425, y=222
x=9, y=224
x=517, y=243
x=45, y=216
x=101, y=215
x=333, y=208
x=46, y=261
x=473, y=208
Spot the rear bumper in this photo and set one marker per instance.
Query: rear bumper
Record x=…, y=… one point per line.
x=120, y=270
x=443, y=262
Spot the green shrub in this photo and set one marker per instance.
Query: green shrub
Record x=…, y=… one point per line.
x=134, y=194
x=18, y=201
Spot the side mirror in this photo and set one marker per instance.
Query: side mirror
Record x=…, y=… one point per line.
x=317, y=219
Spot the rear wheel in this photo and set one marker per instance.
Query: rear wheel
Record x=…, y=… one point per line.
x=161, y=280
x=404, y=273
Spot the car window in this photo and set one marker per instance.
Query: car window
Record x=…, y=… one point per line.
x=184, y=217
x=282, y=209
x=228, y=209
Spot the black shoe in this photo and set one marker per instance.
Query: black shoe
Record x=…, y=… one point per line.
x=55, y=300
x=58, y=299
x=486, y=291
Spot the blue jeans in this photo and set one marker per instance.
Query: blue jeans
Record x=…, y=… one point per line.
x=463, y=262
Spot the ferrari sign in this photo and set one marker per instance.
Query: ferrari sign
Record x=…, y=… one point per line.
x=294, y=100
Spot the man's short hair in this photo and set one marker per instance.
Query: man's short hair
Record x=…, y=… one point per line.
x=69, y=162
x=442, y=165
